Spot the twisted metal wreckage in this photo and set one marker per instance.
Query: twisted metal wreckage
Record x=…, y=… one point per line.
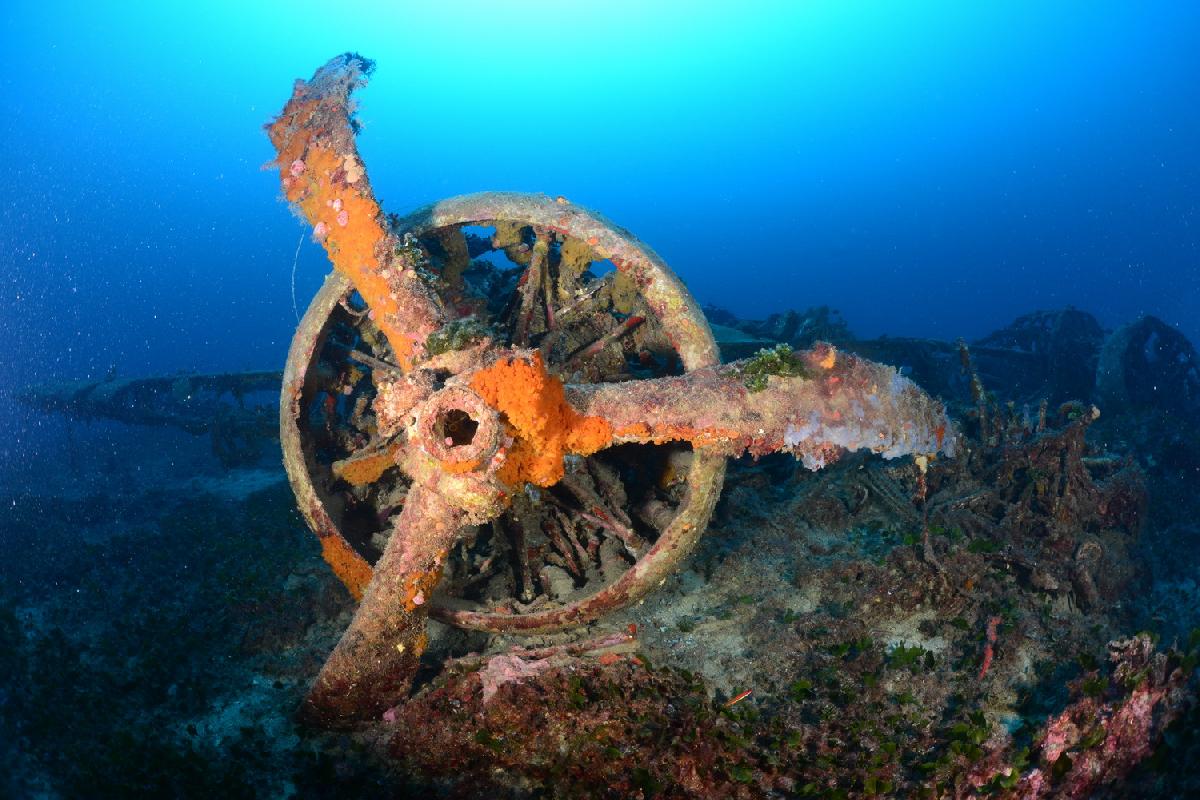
x=526, y=444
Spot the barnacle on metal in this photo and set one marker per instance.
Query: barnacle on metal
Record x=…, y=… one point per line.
x=482, y=425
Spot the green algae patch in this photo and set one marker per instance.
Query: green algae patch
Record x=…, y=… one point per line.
x=779, y=360
x=455, y=336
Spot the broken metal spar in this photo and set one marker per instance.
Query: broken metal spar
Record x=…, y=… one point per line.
x=478, y=426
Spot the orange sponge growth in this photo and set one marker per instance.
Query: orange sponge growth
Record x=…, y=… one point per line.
x=366, y=469
x=544, y=427
x=349, y=224
x=351, y=568
x=321, y=174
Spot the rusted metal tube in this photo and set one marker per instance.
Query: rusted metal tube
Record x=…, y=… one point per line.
x=324, y=178
x=373, y=664
x=840, y=402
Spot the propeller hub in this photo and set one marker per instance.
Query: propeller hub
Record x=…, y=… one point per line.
x=458, y=429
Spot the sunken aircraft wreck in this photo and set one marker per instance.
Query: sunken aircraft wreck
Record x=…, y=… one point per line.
x=594, y=550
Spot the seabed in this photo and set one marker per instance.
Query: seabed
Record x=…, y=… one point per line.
x=1027, y=629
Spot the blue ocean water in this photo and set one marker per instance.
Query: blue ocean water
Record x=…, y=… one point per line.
x=930, y=169
x=926, y=168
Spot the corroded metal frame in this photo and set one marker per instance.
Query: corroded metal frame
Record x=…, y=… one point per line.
x=681, y=320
